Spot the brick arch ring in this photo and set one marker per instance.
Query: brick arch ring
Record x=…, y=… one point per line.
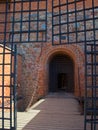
x=75, y=53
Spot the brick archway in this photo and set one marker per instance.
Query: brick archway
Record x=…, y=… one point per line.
x=75, y=53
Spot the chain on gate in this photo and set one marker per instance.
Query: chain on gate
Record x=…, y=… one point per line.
x=76, y=22
x=20, y=22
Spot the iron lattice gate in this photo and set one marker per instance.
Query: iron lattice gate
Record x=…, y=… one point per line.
x=7, y=88
x=70, y=20
x=20, y=22
x=76, y=22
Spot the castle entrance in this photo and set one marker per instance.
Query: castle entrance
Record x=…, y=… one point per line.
x=61, y=74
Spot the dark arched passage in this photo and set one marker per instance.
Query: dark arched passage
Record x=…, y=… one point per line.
x=61, y=74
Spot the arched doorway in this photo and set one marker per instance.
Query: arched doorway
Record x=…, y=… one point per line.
x=61, y=73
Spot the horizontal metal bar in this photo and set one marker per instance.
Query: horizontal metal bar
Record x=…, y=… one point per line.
x=18, y=32
x=92, y=63
x=4, y=74
x=6, y=129
x=90, y=98
x=5, y=97
x=5, y=86
x=68, y=3
x=90, y=75
x=7, y=53
x=5, y=63
x=92, y=53
x=92, y=121
x=93, y=44
x=19, y=1
x=6, y=107
x=92, y=110
x=5, y=120
x=24, y=21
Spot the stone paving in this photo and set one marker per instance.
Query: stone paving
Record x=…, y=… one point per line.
x=55, y=112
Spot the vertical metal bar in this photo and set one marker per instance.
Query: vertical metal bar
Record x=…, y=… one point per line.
x=12, y=83
x=29, y=23
x=94, y=80
x=59, y=22
x=15, y=93
x=21, y=20
x=46, y=15
x=92, y=84
x=52, y=22
x=85, y=49
x=67, y=20
x=37, y=38
x=11, y=98
x=76, y=31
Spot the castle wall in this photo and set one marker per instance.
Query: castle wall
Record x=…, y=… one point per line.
x=35, y=75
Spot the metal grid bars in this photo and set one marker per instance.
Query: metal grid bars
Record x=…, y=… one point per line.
x=7, y=88
x=91, y=97
x=91, y=70
x=23, y=21
x=69, y=18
